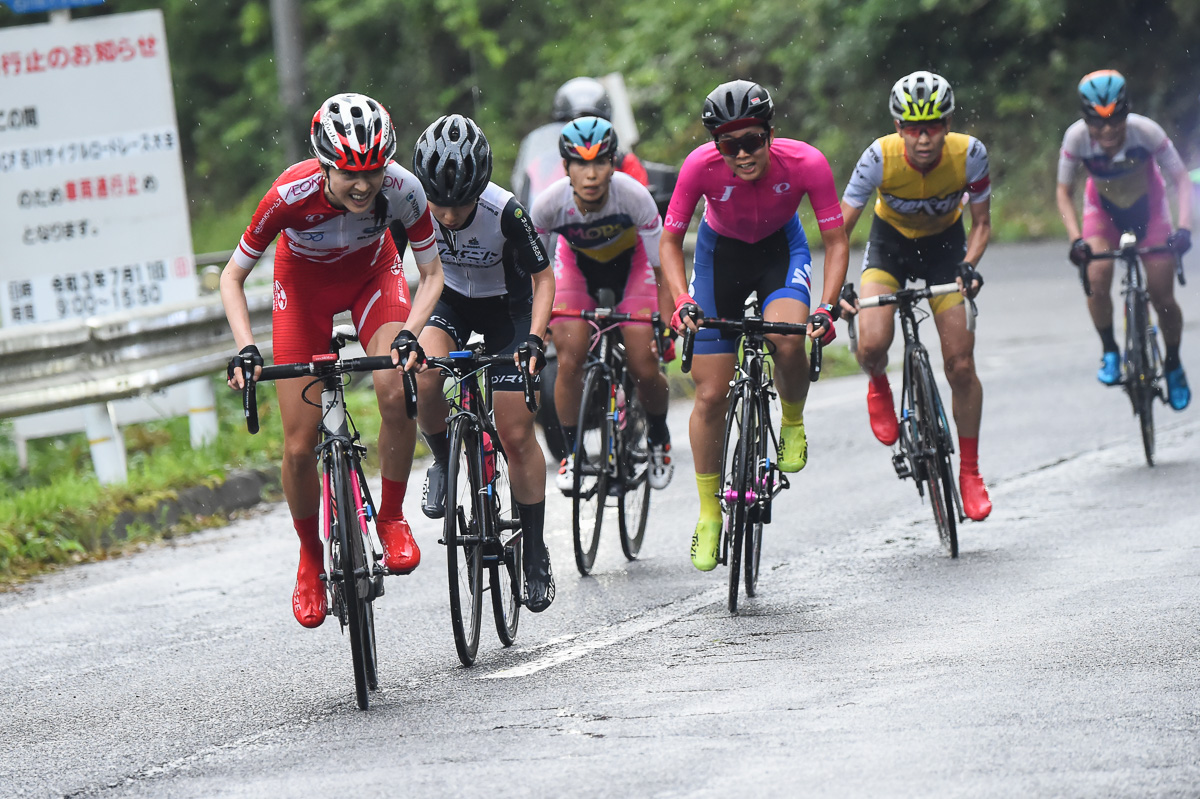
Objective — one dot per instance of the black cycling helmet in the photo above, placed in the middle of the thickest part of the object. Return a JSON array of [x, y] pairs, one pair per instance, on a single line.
[[453, 161], [737, 101], [581, 97], [588, 139]]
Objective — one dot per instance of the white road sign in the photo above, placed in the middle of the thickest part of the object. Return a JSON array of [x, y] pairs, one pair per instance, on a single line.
[[95, 216]]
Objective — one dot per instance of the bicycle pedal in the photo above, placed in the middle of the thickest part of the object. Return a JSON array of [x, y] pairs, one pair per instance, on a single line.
[[901, 465], [378, 586]]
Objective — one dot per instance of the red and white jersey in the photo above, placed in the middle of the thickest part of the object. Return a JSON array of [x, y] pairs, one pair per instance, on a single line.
[[316, 232]]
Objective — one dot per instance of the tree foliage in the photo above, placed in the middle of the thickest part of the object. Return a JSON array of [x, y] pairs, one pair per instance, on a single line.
[[1014, 65]]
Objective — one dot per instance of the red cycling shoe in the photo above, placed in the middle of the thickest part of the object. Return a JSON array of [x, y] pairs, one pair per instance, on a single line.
[[882, 409], [976, 502], [309, 603], [400, 552]]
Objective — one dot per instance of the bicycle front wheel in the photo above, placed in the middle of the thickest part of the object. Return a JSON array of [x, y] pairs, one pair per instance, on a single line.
[[504, 555], [633, 474], [593, 448], [936, 470], [1141, 369], [463, 536], [353, 578], [741, 431]]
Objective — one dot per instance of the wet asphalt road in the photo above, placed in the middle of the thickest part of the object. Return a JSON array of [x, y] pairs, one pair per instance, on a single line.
[[1058, 656]]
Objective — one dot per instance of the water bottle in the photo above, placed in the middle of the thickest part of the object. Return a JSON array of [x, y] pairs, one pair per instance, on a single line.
[[489, 458], [620, 407]]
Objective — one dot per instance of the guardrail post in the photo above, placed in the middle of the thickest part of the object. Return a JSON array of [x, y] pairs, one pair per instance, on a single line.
[[106, 442], [202, 412]]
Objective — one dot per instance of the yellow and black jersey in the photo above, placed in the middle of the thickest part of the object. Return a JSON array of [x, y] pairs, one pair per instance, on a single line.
[[920, 203]]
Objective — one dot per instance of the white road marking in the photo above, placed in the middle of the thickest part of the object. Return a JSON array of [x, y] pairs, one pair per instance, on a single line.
[[612, 634]]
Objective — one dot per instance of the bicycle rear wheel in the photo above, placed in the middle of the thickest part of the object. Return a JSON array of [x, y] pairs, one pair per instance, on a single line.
[[1141, 369], [464, 540], [633, 472], [593, 443], [740, 430], [353, 578], [936, 471], [504, 556]]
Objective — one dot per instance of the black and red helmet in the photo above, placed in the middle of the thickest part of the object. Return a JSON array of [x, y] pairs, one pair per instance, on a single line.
[[737, 104]]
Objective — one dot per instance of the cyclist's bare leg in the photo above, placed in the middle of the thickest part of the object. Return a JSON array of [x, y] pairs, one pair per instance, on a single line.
[[397, 439], [301, 485], [398, 433], [706, 427], [1100, 277], [791, 358], [642, 355], [958, 353], [572, 337], [1160, 282], [526, 462], [876, 328], [432, 408]]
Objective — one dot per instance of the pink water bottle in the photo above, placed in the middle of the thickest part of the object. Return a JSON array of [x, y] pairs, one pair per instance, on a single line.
[[489, 458]]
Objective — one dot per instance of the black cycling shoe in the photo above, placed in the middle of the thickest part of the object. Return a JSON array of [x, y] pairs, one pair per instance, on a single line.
[[539, 579], [433, 497]]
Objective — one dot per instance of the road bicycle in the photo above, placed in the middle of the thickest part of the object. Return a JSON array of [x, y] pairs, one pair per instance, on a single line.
[[611, 456], [925, 446], [353, 573], [1141, 362], [750, 475], [482, 527]]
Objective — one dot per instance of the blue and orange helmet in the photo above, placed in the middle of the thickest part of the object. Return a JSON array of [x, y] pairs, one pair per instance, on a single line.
[[1102, 95], [588, 139]]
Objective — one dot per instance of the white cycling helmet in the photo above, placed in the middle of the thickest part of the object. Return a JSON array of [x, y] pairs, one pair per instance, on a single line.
[[352, 132], [921, 97]]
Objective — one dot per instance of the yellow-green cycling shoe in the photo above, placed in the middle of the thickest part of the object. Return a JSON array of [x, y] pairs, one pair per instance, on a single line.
[[793, 448], [704, 544]]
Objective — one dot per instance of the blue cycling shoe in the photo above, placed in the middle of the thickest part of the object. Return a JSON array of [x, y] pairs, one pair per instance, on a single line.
[[1178, 392], [1109, 372]]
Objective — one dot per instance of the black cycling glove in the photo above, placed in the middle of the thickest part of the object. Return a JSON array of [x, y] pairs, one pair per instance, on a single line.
[[246, 360], [406, 344], [536, 349]]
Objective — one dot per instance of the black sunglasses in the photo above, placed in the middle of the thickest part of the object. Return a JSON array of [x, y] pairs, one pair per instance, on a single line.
[[750, 143]]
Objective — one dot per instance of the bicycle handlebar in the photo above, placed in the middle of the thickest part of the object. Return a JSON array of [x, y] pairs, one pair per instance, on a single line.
[[751, 324], [464, 361], [908, 295], [1160, 249], [320, 366]]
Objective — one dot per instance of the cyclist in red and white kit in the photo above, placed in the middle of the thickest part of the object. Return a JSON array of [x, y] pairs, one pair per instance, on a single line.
[[335, 253], [749, 240]]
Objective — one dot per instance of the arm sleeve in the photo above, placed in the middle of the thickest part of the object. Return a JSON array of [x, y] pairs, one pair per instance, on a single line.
[[686, 194], [1069, 155], [822, 193], [517, 229], [866, 177], [979, 181], [1166, 154], [264, 226]]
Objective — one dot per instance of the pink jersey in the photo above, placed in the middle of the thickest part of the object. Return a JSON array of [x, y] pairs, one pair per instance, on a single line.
[[316, 232], [752, 210]]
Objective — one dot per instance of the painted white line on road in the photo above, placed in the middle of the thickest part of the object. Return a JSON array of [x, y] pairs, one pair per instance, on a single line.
[[613, 634]]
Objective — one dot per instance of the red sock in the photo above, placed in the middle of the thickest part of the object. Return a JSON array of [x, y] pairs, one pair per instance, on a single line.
[[968, 458], [391, 500], [309, 534]]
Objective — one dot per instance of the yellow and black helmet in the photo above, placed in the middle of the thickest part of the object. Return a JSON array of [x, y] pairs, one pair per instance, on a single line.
[[921, 97]]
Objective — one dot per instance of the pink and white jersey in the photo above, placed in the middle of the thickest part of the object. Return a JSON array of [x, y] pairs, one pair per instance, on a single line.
[[316, 232], [752, 210]]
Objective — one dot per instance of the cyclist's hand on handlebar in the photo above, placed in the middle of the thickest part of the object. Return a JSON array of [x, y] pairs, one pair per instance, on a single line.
[[820, 324], [249, 356], [848, 302], [1180, 241], [969, 280], [406, 348], [536, 349], [687, 312], [667, 348], [1080, 253]]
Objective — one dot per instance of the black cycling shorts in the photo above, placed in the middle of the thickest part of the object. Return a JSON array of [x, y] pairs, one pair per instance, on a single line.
[[503, 325]]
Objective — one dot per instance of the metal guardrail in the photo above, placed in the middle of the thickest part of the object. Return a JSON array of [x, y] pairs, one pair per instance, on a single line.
[[78, 362]]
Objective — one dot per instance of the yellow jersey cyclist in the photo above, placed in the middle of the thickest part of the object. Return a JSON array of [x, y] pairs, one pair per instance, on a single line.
[[497, 284], [750, 240], [921, 172], [608, 229], [1125, 155]]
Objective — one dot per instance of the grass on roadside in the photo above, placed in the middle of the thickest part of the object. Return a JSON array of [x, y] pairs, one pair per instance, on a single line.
[[56, 511]]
